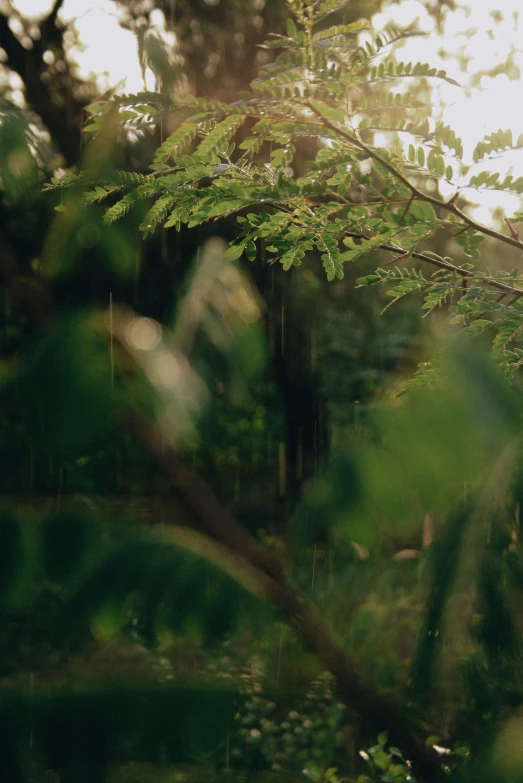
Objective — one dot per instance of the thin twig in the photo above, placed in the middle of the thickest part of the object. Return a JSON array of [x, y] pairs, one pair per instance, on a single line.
[[441, 263], [404, 214], [50, 20]]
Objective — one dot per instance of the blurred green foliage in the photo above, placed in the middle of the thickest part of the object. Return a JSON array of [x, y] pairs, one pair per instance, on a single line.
[[126, 633]]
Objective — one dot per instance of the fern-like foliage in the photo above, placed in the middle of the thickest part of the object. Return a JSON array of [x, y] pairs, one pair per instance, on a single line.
[[337, 85], [177, 142], [496, 142]]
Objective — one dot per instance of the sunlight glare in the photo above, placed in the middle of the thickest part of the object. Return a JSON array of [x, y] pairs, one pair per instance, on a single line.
[[476, 38], [484, 34], [107, 52], [32, 9]]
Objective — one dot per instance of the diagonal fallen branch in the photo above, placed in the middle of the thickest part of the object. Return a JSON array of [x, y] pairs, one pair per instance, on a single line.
[[267, 569]]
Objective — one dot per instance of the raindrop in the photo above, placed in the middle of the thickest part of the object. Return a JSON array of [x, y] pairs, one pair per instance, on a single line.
[[6, 315], [60, 487], [111, 336], [299, 458], [282, 470], [31, 469], [118, 470], [237, 483], [315, 458], [137, 277], [278, 669]]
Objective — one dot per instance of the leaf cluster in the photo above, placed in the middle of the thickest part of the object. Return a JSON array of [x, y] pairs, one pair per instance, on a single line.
[[338, 86]]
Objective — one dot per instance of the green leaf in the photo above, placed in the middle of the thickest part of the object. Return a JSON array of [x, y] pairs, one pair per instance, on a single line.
[[158, 212], [183, 210], [95, 108], [404, 288], [510, 330], [218, 208], [477, 326], [177, 142], [368, 280], [341, 30], [218, 139], [439, 166], [495, 142], [446, 136], [269, 83], [440, 293], [331, 257], [470, 241], [380, 758], [123, 206], [250, 251], [233, 252], [327, 111], [294, 255], [292, 30]]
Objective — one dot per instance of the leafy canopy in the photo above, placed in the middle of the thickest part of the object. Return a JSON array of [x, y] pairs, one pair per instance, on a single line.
[[337, 86]]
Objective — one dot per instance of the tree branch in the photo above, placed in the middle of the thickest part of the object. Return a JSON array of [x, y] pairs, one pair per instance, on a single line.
[[448, 206], [50, 20], [441, 263]]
